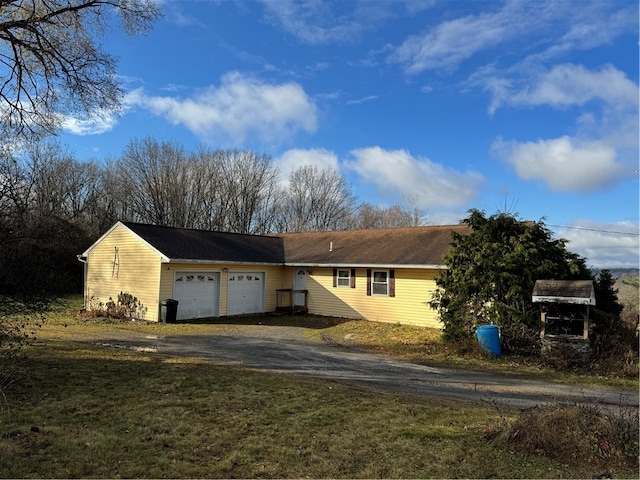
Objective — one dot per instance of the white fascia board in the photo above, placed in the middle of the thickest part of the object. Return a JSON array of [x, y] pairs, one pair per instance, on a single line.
[[86, 252], [217, 262], [568, 300], [162, 256], [366, 265]]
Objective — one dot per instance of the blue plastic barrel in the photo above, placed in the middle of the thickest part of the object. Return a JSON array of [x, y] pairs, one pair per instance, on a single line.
[[489, 339]]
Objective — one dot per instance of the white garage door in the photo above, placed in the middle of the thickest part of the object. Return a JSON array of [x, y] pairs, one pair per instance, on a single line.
[[246, 293], [198, 294]]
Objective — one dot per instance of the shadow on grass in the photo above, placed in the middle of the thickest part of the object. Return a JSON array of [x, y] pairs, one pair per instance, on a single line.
[[271, 319], [91, 412]]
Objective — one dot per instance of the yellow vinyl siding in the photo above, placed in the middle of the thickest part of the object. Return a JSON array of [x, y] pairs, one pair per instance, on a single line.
[[133, 268], [137, 269], [273, 280], [413, 290]]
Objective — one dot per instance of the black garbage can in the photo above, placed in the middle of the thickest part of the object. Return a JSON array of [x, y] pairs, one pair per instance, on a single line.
[[168, 310]]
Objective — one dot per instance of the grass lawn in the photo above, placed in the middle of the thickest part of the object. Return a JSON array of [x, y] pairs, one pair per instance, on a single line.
[[86, 411], [420, 345]]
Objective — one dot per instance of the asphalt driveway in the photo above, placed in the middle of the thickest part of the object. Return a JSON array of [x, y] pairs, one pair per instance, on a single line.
[[286, 350]]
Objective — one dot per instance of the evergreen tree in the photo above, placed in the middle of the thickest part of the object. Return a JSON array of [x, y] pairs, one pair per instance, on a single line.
[[491, 273], [607, 296], [609, 333]]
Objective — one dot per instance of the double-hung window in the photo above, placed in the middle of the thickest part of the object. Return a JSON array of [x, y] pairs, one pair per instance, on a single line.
[[344, 278], [380, 282]]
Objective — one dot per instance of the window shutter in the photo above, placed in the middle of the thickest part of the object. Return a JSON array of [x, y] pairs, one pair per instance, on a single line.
[[392, 283], [353, 278], [369, 281], [335, 277]]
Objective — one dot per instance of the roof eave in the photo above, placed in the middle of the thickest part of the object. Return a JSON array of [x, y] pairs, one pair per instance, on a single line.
[[555, 299], [219, 262], [366, 265]]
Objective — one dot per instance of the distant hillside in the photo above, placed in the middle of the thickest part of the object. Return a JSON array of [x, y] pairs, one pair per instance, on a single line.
[[619, 273]]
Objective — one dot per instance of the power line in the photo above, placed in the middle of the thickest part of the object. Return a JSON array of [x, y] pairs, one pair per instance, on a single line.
[[596, 230]]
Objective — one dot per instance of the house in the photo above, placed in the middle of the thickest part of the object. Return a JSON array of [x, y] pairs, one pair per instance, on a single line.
[[384, 275]]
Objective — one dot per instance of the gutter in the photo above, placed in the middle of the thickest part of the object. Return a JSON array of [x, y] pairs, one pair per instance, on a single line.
[[367, 265], [218, 262], [305, 264]]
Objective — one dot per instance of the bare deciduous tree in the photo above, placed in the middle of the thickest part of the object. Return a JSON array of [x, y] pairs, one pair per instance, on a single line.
[[317, 200], [58, 185], [45, 199], [206, 189], [51, 64], [372, 216], [156, 177], [230, 190], [250, 185]]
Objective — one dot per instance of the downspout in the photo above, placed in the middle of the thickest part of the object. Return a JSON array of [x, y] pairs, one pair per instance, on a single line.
[[83, 259]]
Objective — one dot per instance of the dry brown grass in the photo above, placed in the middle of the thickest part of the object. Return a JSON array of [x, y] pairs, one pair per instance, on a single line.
[[578, 435], [86, 411], [99, 413]]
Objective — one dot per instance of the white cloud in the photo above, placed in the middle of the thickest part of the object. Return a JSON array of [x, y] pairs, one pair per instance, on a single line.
[[321, 23], [562, 86], [564, 164], [312, 22], [444, 217], [358, 101], [605, 143], [548, 29], [591, 25], [398, 173], [296, 158], [240, 107], [100, 122], [604, 245], [451, 42]]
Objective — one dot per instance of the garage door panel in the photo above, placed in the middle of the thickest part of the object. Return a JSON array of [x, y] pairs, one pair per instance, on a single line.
[[245, 293], [197, 293]]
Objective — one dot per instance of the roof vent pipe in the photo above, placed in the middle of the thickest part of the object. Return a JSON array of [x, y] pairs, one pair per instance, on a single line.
[[331, 246]]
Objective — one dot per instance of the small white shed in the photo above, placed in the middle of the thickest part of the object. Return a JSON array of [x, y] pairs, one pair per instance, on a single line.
[[564, 307]]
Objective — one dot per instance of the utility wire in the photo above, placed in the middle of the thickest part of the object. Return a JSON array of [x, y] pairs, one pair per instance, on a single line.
[[596, 230]]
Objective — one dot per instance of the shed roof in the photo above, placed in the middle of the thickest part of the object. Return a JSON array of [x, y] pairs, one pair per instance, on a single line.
[[579, 292]]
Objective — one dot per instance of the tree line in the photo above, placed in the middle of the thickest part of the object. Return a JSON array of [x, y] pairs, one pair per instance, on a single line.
[[53, 206]]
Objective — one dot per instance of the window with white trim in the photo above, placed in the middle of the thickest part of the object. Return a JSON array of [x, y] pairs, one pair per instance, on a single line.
[[380, 282], [344, 278]]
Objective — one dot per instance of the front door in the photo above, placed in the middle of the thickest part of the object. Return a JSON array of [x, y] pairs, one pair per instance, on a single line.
[[299, 283]]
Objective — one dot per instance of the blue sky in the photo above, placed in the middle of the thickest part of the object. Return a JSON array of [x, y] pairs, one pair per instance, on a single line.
[[529, 107]]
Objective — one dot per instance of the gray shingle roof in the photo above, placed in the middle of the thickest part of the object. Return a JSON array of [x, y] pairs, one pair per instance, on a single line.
[[189, 244], [393, 246], [397, 246]]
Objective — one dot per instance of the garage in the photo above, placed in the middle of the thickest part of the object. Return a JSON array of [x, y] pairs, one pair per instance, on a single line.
[[198, 294], [245, 293]]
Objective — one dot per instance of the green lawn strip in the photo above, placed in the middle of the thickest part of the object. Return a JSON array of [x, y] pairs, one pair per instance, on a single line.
[[424, 345], [99, 412]]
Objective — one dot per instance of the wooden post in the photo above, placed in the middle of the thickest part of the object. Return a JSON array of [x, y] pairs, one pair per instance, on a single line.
[[543, 320], [585, 325]]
